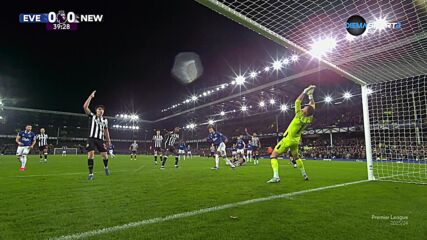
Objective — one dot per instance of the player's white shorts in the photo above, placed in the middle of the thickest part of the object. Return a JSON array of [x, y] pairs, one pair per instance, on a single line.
[[221, 149], [249, 152], [181, 151], [241, 151], [110, 152], [189, 153], [233, 153], [22, 150]]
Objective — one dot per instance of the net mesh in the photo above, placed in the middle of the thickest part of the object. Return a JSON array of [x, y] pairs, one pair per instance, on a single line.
[[376, 56], [398, 118]]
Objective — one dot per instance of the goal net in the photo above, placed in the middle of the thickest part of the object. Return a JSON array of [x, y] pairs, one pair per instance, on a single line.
[[390, 61], [60, 151], [398, 122]]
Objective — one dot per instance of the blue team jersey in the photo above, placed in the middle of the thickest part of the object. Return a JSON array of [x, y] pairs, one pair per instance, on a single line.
[[250, 147], [240, 144], [181, 147], [27, 138], [233, 149], [216, 138]]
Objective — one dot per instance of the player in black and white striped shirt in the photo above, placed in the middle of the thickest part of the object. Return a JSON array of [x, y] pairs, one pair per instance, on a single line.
[[43, 147], [157, 139], [256, 146], [170, 146], [98, 132]]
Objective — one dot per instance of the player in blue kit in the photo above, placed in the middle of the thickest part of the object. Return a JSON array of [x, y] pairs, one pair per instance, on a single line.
[[111, 151], [218, 140], [181, 150], [249, 150], [26, 141], [241, 145], [189, 154], [234, 152]]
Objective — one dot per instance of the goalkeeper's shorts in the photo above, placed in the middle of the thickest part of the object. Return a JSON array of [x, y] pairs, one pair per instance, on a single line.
[[287, 143]]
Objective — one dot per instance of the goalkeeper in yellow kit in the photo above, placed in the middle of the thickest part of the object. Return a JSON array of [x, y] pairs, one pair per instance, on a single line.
[[292, 136]]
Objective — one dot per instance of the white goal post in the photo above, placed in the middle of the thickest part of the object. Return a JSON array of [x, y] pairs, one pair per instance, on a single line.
[[390, 65], [59, 151]]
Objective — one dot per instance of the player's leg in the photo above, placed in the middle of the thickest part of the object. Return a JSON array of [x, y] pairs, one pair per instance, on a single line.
[[155, 157], [90, 147], [177, 158], [278, 150], [223, 154], [300, 164], [45, 153], [165, 157], [41, 152], [19, 154], [103, 151]]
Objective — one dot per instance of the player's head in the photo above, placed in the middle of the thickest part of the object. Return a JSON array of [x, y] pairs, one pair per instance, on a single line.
[[250, 141], [254, 134], [211, 129], [158, 132], [176, 129], [28, 128], [308, 110], [99, 110], [42, 131], [234, 144], [134, 141]]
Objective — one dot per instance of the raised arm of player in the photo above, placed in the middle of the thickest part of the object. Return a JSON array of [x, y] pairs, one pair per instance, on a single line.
[[87, 103], [247, 134]]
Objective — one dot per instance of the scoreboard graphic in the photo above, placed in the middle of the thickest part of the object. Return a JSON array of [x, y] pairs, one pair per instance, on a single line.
[[61, 20]]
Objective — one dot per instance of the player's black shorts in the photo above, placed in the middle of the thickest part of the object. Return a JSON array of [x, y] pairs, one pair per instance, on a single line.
[[254, 148], [158, 149], [42, 148], [133, 151], [171, 149], [212, 154], [95, 144]]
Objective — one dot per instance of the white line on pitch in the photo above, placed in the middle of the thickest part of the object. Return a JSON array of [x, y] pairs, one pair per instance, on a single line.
[[195, 212], [61, 174]]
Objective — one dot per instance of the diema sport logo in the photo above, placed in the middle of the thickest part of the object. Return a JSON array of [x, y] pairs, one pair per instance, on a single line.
[[357, 25]]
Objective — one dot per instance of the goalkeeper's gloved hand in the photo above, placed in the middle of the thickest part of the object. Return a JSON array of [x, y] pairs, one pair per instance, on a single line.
[[309, 90]]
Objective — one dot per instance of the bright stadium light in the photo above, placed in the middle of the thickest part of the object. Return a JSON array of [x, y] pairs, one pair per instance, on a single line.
[[272, 101], [253, 74], [369, 91], [222, 86], [380, 24], [328, 99], [191, 126], [210, 121], [267, 69], [244, 108], [283, 107], [323, 46], [347, 95], [285, 61], [294, 58], [277, 65], [240, 80], [222, 113], [262, 104], [194, 98]]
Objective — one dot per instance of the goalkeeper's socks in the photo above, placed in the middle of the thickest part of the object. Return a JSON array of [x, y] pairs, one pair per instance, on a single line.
[[275, 167], [301, 167]]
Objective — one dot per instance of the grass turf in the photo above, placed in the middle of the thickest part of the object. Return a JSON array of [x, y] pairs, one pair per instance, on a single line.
[[55, 199]]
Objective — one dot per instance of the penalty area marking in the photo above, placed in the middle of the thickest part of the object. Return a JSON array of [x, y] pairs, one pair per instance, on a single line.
[[196, 212]]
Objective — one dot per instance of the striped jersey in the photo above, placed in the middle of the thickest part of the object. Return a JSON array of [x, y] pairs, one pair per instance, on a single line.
[[42, 138], [134, 146], [172, 139], [157, 139], [255, 142], [97, 126]]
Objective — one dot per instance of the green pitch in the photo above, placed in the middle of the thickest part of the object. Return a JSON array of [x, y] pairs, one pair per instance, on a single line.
[[55, 199]]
